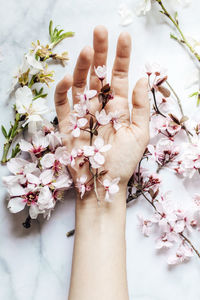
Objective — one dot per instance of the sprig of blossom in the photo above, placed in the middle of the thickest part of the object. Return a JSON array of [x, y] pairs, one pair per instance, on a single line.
[[175, 145], [170, 221], [30, 104], [38, 182], [92, 155]]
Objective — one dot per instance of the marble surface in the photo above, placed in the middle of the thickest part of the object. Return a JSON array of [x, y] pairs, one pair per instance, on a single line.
[[35, 264]]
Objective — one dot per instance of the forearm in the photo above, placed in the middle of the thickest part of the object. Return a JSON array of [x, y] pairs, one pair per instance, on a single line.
[[99, 258]]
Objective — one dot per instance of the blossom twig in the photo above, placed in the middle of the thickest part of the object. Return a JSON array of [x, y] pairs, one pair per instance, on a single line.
[[183, 39], [181, 109]]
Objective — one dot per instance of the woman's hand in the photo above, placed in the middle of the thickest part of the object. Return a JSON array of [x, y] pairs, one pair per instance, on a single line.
[[99, 257], [129, 142]]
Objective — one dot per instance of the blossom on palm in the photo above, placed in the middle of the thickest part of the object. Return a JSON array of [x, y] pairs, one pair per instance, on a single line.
[[115, 119], [102, 117], [82, 108], [101, 72], [95, 152], [77, 124]]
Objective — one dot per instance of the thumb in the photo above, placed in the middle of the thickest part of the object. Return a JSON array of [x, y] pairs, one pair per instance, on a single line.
[[141, 106]]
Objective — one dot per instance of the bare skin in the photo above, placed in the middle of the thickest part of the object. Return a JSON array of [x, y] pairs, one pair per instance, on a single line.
[[99, 257]]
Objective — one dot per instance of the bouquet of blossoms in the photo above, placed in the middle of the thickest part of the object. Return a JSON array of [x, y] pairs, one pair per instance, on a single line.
[[37, 158]]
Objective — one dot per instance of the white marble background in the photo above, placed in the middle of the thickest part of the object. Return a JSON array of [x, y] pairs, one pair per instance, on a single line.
[[35, 264]]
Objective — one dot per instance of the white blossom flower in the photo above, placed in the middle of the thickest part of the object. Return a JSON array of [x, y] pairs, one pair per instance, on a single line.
[[33, 109], [76, 124], [101, 72], [81, 185], [35, 65], [56, 160], [82, 108], [102, 117], [63, 181], [111, 187], [126, 15], [39, 143], [143, 7], [115, 119], [45, 199], [94, 152]]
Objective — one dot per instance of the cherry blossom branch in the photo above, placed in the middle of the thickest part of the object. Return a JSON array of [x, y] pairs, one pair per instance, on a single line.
[[181, 234], [190, 243], [155, 103], [181, 110], [183, 39]]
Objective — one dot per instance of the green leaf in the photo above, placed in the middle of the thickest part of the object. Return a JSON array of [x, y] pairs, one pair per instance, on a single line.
[[56, 35], [176, 17], [198, 100], [50, 28], [15, 151], [4, 131], [193, 94]]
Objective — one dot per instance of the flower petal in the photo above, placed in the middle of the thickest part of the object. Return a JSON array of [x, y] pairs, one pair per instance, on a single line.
[[16, 204]]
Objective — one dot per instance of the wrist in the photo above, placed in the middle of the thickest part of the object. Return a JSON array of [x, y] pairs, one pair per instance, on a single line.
[[101, 217]]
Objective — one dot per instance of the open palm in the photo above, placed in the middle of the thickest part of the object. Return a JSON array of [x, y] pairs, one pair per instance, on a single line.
[[130, 140]]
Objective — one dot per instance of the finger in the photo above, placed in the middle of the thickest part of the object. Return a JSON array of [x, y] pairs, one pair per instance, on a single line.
[[100, 45], [61, 101], [121, 65], [141, 106], [81, 71]]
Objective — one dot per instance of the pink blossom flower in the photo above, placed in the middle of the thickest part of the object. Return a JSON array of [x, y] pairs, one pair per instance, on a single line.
[[76, 124], [145, 225], [159, 124], [165, 151], [166, 240], [155, 69], [183, 253], [101, 72], [189, 160], [111, 187]]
